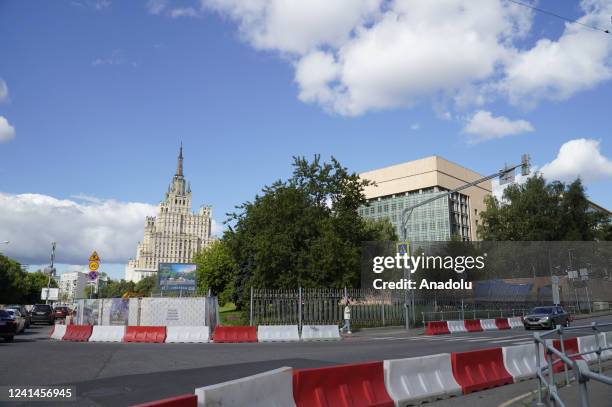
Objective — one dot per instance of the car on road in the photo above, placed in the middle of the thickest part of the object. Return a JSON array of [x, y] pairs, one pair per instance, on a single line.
[[24, 313], [8, 326], [19, 319], [546, 317], [43, 313], [61, 312]]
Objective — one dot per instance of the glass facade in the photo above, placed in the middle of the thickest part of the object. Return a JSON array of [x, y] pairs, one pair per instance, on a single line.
[[436, 221]]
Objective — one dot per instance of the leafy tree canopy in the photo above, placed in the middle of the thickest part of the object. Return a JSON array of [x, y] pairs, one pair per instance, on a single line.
[[301, 232], [541, 211], [18, 286]]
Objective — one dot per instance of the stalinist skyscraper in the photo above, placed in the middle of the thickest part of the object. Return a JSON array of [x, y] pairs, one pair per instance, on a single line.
[[175, 234]]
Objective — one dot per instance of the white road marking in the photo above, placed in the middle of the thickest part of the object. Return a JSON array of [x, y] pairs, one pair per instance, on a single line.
[[508, 340]]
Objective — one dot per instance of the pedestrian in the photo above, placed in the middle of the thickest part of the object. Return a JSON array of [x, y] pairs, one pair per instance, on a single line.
[[347, 317]]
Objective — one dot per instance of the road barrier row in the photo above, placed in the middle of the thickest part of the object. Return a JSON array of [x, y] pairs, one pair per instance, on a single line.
[[397, 382], [472, 325], [193, 334]]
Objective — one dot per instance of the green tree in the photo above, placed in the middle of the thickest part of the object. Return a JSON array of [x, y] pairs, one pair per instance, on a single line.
[[146, 285], [215, 271], [302, 232], [12, 284], [115, 289], [33, 284], [540, 211]]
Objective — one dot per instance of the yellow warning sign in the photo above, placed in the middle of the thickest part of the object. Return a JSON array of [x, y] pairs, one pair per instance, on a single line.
[[94, 256], [94, 265]]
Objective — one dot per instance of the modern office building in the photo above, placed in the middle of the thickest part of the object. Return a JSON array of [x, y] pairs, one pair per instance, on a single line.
[[175, 234], [400, 186], [72, 285]]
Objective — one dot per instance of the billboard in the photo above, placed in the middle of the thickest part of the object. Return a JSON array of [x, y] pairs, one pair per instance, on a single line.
[[49, 294], [177, 277]]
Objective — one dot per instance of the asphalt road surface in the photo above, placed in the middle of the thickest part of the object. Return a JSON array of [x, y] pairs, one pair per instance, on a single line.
[[121, 374]]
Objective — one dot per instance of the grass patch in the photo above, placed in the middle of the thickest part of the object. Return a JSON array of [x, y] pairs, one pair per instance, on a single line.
[[230, 316]]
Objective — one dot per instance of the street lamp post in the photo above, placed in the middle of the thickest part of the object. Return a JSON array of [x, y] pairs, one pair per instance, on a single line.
[[50, 272], [407, 212]]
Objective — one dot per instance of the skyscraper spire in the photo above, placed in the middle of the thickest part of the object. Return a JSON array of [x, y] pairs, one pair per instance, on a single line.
[[179, 167]]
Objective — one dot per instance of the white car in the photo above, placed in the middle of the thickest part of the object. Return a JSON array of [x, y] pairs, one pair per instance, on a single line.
[[21, 321]]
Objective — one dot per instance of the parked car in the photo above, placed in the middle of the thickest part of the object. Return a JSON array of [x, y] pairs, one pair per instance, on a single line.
[[546, 317], [24, 313], [19, 319], [61, 312], [43, 313], [8, 326]]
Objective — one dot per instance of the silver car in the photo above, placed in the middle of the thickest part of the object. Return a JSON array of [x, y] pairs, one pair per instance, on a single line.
[[546, 317]]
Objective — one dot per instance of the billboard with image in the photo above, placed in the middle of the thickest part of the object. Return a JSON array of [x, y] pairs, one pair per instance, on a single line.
[[177, 277]]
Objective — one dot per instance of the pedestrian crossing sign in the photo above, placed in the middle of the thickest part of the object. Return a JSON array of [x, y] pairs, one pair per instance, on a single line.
[[403, 248]]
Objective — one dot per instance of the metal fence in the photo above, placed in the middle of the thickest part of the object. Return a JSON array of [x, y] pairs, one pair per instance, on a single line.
[[307, 306], [376, 308], [574, 361]]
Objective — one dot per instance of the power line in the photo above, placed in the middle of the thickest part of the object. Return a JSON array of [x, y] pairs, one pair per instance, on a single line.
[[550, 13]]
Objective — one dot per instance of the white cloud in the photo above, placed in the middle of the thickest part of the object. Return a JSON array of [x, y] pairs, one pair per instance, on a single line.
[[355, 56], [7, 132], [79, 225], [4, 93], [415, 126], [296, 26], [579, 158], [156, 6], [484, 126], [164, 7], [580, 59], [115, 58], [183, 12], [32, 221]]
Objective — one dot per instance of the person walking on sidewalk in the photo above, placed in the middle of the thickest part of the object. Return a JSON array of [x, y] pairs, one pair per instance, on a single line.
[[347, 317]]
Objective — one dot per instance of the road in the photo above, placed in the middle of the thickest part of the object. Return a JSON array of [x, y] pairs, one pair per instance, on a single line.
[[119, 374]]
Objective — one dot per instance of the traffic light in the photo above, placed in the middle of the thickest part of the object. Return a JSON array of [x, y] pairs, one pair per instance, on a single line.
[[525, 165]]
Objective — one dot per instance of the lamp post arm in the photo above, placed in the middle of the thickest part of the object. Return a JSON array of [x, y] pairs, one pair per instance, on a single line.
[[406, 213]]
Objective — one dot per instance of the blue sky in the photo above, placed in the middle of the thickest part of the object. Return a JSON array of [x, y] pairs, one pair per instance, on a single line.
[[99, 95]]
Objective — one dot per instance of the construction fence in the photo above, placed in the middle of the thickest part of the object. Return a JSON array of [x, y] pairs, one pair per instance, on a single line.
[[190, 311]]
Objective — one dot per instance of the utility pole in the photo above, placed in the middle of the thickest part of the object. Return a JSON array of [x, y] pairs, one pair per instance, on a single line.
[[51, 271]]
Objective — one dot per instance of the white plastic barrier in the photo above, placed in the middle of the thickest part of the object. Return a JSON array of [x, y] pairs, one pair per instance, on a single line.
[[608, 338], [58, 332], [107, 333], [421, 379], [589, 343], [278, 333], [456, 326], [520, 361], [192, 334], [488, 325], [320, 332], [268, 389], [515, 322]]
